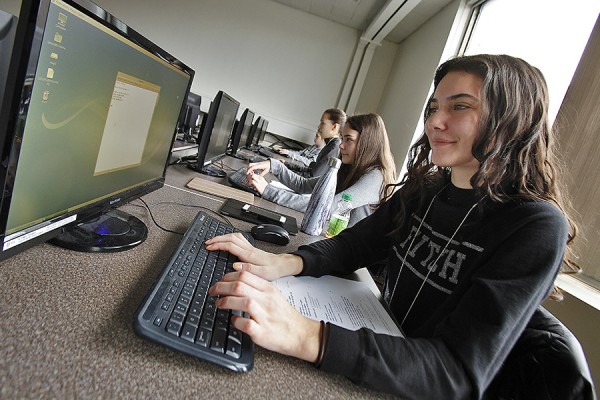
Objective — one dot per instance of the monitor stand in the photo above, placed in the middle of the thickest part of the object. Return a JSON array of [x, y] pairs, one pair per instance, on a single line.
[[209, 170], [113, 231]]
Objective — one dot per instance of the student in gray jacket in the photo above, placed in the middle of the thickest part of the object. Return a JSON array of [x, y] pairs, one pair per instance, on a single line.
[[367, 167], [306, 155]]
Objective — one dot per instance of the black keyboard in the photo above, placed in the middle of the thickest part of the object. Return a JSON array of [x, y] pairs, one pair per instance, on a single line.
[[239, 179], [265, 151], [178, 313]]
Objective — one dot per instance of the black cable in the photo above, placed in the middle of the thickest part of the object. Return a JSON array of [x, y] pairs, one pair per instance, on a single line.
[[226, 166], [222, 217], [156, 223]]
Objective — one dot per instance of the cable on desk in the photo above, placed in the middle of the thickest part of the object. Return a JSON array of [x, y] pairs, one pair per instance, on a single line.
[[186, 160], [222, 165], [180, 204]]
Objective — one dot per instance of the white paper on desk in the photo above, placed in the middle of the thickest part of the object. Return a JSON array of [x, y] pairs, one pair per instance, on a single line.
[[349, 304]]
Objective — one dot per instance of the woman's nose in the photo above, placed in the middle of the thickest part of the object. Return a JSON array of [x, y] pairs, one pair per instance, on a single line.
[[436, 120]]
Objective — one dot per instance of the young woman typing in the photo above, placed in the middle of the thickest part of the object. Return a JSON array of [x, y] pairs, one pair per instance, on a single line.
[[330, 127], [306, 155], [367, 167], [474, 236]]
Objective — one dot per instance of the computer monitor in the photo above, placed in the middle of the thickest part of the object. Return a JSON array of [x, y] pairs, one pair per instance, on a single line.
[[91, 118], [254, 132], [215, 131], [241, 131], [189, 123], [263, 130], [259, 134]]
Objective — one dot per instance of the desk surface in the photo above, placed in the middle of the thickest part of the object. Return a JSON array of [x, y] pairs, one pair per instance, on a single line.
[[66, 322]]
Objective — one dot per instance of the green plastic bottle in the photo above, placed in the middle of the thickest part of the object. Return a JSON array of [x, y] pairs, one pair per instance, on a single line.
[[340, 217]]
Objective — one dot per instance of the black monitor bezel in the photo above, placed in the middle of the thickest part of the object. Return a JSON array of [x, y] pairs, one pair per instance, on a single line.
[[187, 122], [207, 130], [255, 127], [263, 131], [238, 132], [26, 51]]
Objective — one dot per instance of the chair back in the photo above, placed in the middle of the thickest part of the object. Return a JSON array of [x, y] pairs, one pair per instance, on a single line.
[[547, 362]]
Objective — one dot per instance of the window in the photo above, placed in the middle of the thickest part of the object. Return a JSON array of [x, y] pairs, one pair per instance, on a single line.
[[549, 34], [552, 35]]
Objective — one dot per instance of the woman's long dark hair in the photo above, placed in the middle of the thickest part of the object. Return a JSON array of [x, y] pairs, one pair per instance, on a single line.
[[372, 151], [515, 144]]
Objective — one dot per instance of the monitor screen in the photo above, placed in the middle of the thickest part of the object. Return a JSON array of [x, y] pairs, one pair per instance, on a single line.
[[189, 123], [263, 130], [215, 132], [92, 119], [254, 132], [241, 131]]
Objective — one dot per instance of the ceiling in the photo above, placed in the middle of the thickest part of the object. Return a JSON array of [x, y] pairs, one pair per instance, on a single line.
[[359, 14]]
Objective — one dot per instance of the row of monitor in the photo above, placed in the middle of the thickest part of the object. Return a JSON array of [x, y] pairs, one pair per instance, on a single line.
[[88, 117], [222, 133]]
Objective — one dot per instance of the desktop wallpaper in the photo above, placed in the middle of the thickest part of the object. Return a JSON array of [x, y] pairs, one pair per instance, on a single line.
[[101, 118]]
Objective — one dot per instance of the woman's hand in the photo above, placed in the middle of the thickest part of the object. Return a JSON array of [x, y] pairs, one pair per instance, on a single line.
[[258, 181], [283, 152], [266, 265], [273, 324], [264, 166]]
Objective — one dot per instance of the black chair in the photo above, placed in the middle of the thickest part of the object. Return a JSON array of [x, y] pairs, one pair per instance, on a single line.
[[547, 363]]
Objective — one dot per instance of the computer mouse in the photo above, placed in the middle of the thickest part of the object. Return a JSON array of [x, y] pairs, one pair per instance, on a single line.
[[270, 233]]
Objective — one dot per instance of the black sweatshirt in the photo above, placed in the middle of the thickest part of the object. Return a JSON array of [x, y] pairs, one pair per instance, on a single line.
[[478, 297]]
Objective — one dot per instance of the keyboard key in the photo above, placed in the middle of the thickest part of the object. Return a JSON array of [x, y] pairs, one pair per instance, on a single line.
[[234, 349], [218, 340], [235, 335], [173, 328], [189, 332], [203, 337]]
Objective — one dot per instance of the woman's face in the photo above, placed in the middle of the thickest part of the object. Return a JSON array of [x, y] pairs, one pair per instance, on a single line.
[[348, 145], [451, 127], [326, 127]]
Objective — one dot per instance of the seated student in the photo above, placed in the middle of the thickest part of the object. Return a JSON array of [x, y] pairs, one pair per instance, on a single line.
[[306, 155], [330, 128], [475, 236], [367, 167]]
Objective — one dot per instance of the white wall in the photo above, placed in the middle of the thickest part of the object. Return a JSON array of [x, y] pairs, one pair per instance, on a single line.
[[284, 64], [377, 77], [11, 6], [409, 83]]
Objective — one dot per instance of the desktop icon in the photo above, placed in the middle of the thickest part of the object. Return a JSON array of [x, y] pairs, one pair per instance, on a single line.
[[45, 95], [54, 56], [50, 73], [62, 19], [58, 37]]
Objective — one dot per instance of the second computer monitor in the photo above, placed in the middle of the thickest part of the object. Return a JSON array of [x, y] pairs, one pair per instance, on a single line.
[[263, 131], [215, 131], [254, 132], [258, 134], [188, 121], [241, 131]]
